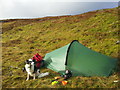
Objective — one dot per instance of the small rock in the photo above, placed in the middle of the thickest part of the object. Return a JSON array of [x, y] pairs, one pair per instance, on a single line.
[[116, 81], [10, 73], [117, 42], [89, 47]]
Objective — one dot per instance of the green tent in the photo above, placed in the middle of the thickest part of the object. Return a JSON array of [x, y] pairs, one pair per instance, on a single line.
[[81, 60]]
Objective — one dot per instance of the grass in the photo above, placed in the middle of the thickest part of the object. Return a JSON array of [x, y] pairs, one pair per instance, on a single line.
[[21, 37]]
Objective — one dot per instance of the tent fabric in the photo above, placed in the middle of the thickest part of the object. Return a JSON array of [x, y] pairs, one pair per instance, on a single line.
[[81, 60], [55, 60]]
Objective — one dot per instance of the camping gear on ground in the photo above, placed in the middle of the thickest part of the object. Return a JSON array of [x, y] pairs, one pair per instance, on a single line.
[[81, 60], [55, 82], [38, 60], [43, 74], [67, 74], [58, 77], [59, 80], [64, 82]]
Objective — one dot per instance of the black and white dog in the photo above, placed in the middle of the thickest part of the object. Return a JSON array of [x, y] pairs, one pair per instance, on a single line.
[[31, 69]]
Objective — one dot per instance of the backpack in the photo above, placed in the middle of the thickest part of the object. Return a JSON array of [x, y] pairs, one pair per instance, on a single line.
[[37, 59]]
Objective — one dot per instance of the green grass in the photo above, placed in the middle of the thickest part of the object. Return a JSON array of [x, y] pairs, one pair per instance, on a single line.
[[97, 30]]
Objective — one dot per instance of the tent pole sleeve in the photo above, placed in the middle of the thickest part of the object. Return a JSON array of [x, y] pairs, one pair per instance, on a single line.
[[69, 50]]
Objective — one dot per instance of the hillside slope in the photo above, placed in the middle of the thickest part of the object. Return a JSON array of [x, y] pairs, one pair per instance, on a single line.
[[97, 30]]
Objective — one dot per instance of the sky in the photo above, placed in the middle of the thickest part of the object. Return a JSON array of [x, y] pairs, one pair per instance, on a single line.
[[11, 9]]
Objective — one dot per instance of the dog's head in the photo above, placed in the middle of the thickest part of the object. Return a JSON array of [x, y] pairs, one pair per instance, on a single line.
[[29, 64], [29, 61]]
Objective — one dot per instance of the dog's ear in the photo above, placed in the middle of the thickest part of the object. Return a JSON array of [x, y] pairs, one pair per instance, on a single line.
[[27, 62]]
